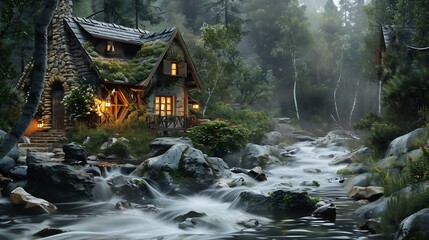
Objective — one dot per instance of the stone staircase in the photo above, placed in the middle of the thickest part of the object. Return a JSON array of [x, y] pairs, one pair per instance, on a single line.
[[43, 141]]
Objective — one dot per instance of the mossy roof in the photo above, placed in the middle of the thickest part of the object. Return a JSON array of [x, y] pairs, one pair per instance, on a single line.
[[153, 45]]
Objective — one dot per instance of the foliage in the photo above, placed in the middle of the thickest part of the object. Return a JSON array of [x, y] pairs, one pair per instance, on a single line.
[[119, 148], [402, 206], [80, 103], [11, 102], [134, 70], [139, 135], [380, 136], [367, 121], [218, 138], [220, 110], [418, 169], [137, 115], [257, 123], [345, 171]]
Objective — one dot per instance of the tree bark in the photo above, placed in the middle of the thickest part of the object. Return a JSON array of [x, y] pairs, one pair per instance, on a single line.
[[336, 88], [37, 80], [380, 87], [354, 102], [295, 69]]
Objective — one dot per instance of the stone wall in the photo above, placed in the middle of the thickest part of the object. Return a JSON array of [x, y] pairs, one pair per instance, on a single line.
[[61, 67]]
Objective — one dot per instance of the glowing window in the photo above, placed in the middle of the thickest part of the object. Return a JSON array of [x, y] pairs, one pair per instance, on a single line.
[[174, 69], [164, 105]]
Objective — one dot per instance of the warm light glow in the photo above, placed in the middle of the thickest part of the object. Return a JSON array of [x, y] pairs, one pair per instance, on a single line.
[[174, 69], [108, 101], [110, 47], [195, 106], [39, 123]]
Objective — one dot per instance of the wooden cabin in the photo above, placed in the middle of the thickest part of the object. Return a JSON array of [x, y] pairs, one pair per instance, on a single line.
[[125, 65]]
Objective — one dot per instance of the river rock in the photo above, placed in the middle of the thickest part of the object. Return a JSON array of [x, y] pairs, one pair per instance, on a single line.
[[371, 193], [18, 173], [348, 158], [4, 181], [272, 138], [415, 226], [128, 168], [256, 155], [250, 223], [36, 157], [191, 214], [278, 200], [327, 211], [95, 171], [129, 188], [6, 164], [57, 182], [301, 136], [191, 223], [369, 225], [10, 186], [182, 167], [74, 153], [358, 180], [219, 167], [373, 209], [403, 143], [47, 232], [161, 145], [25, 202], [258, 174]]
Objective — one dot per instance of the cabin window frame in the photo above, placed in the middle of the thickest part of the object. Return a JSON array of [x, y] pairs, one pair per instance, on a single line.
[[165, 108]]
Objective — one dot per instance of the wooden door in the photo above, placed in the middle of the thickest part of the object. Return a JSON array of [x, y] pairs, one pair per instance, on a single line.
[[57, 109]]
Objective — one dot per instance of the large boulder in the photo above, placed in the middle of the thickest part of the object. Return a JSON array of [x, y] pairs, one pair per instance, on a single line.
[[219, 167], [326, 211], [36, 157], [25, 202], [373, 209], [182, 168], [415, 226], [161, 145], [74, 152], [6, 164], [279, 200], [272, 138], [403, 143], [253, 155], [57, 182]]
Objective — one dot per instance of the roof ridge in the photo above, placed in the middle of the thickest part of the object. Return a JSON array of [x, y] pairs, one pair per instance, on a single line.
[[112, 25]]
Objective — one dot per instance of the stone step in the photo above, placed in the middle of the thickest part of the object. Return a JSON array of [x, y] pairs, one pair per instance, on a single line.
[[47, 134], [35, 139], [41, 145]]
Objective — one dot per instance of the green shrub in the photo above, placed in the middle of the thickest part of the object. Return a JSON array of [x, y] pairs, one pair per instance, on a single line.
[[418, 169], [256, 122], [80, 103], [218, 138], [367, 121], [119, 148], [380, 136], [345, 171]]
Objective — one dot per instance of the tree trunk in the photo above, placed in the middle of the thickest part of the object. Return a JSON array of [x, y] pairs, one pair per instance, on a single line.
[[137, 13], [295, 69], [354, 102], [380, 86], [336, 88], [37, 80]]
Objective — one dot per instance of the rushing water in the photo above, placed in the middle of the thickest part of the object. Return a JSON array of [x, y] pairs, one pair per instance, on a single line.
[[100, 220]]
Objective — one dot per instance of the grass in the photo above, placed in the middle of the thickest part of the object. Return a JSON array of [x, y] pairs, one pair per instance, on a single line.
[[139, 135]]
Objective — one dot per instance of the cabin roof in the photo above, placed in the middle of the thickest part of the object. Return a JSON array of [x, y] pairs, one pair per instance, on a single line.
[[84, 30]]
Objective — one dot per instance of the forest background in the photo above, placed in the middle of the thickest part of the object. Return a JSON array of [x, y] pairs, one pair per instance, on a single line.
[[311, 60]]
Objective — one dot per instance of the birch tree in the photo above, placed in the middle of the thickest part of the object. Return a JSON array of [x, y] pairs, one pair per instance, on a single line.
[[296, 38], [37, 80]]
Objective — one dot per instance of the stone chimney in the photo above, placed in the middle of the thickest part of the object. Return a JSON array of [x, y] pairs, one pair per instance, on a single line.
[[61, 69]]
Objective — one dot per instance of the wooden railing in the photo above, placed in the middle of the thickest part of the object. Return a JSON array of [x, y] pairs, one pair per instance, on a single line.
[[171, 123]]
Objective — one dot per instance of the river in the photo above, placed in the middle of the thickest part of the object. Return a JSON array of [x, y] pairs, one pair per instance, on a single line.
[[100, 220]]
